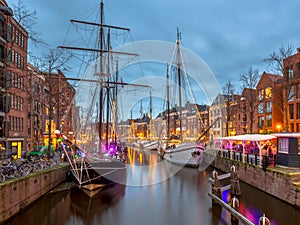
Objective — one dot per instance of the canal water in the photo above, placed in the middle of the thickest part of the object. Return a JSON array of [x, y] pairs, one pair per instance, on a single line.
[[157, 192]]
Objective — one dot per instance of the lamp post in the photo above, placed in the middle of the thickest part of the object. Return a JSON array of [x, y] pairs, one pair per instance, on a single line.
[[278, 127]]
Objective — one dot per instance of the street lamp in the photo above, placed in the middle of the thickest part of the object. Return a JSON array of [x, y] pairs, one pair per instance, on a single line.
[[278, 127]]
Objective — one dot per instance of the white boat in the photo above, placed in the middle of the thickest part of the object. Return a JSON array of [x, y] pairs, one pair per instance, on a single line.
[[177, 144], [151, 145]]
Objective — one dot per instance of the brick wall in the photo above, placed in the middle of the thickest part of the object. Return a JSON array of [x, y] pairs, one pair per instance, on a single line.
[[277, 183], [17, 194]]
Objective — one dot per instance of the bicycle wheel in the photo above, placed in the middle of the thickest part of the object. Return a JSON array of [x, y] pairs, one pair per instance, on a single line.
[[37, 166], [27, 169]]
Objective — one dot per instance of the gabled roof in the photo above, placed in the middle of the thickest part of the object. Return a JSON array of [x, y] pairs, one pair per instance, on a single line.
[[266, 78]]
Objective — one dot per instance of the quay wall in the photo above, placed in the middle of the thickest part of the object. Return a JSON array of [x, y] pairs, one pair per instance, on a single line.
[[277, 182], [19, 193]]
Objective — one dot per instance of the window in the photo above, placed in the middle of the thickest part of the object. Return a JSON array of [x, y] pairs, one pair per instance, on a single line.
[[8, 32], [268, 92], [291, 109], [260, 108], [268, 107], [290, 74], [269, 120], [298, 110], [260, 94], [291, 94], [283, 145], [261, 120], [298, 91]]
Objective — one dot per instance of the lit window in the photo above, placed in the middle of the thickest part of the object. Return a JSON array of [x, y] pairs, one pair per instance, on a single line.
[[260, 94], [268, 92]]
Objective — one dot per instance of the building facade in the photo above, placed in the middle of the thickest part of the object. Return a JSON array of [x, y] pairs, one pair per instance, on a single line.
[[291, 92], [13, 63], [268, 104]]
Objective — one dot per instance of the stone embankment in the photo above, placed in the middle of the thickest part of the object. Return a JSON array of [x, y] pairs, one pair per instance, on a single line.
[[281, 182], [19, 193]]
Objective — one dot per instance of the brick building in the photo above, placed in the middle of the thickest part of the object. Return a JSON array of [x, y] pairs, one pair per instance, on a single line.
[[35, 107], [291, 92], [25, 93], [13, 62], [245, 112], [268, 104]]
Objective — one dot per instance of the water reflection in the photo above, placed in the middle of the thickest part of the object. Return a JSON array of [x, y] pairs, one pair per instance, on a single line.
[[168, 195], [86, 210], [146, 168]]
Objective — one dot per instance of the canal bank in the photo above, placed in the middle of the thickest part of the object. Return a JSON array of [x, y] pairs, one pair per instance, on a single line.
[[17, 194], [280, 182]]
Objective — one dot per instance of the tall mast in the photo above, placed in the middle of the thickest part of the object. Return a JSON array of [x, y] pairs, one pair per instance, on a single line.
[[168, 104], [116, 100], [179, 80], [151, 121], [101, 50], [107, 91], [101, 72]]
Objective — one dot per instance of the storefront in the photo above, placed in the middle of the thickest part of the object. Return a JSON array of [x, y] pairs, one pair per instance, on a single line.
[[15, 147], [2, 148]]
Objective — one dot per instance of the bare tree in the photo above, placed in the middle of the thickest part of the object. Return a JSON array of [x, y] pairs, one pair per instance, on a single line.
[[27, 19], [250, 80], [275, 60], [53, 61], [228, 91]]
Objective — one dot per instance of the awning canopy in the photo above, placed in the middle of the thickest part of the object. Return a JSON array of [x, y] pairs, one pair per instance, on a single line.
[[249, 137], [289, 135]]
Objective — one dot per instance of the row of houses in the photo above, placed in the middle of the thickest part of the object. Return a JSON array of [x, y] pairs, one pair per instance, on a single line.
[[273, 106], [32, 103]]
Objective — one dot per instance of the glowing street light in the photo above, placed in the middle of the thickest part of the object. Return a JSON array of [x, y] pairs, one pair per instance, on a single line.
[[278, 127]]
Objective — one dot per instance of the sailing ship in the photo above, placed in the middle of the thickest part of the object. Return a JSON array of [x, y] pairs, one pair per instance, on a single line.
[[98, 159], [174, 146]]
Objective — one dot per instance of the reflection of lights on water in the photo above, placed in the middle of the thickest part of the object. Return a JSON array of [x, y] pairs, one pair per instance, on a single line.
[[251, 213], [226, 196], [141, 157]]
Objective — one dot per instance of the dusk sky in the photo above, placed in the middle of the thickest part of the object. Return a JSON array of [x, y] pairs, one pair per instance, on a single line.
[[229, 36]]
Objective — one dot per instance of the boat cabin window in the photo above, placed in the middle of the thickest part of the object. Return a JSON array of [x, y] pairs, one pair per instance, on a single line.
[[283, 145]]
